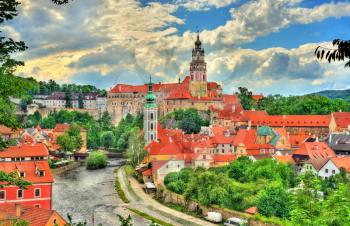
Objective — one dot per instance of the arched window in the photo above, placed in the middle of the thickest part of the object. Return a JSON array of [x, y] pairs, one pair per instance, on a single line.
[[151, 116], [151, 126], [151, 136]]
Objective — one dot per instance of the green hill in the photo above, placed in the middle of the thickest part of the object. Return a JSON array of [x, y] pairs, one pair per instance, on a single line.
[[333, 94]]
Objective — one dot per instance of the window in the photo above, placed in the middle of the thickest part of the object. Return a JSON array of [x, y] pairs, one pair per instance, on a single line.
[[151, 126], [37, 192], [333, 171], [2, 195], [38, 206], [19, 193], [41, 173], [151, 116], [22, 174], [326, 170]]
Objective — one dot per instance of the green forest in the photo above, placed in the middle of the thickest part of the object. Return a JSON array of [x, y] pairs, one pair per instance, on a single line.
[[293, 105], [100, 133], [273, 187]]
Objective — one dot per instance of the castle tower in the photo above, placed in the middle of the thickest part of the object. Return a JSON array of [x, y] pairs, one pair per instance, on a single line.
[[198, 71], [150, 115]]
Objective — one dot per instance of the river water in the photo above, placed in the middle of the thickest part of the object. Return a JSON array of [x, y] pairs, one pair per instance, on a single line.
[[87, 194]]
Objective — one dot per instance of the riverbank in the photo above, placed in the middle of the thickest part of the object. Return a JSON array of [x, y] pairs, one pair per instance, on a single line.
[[69, 167]]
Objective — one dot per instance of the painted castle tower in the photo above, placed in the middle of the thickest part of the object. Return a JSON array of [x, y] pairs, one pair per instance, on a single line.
[[198, 71], [150, 115]]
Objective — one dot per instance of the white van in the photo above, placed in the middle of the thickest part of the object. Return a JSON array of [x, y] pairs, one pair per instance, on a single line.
[[234, 221]]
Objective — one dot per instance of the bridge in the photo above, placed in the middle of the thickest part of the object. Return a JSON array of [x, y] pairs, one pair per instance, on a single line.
[[111, 155]]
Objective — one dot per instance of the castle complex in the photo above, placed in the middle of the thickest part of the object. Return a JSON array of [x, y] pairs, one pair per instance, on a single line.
[[193, 92]]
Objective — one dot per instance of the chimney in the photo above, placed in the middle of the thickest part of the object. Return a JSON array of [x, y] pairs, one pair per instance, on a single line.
[[18, 208]]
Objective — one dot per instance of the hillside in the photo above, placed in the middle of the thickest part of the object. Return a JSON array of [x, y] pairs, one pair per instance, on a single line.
[[342, 94]]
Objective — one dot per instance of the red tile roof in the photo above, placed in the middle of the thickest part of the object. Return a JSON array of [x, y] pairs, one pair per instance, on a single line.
[[343, 162], [61, 128], [30, 168], [225, 158], [156, 165], [290, 120], [33, 215], [284, 159], [6, 130], [315, 150], [25, 150], [221, 135], [147, 172], [342, 119]]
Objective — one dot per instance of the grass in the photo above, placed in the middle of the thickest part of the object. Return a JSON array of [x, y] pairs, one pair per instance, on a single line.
[[149, 217], [119, 190], [129, 170]]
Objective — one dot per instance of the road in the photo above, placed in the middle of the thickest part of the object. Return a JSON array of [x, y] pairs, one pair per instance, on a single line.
[[143, 202]]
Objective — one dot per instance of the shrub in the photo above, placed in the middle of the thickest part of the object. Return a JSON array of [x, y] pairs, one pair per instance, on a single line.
[[96, 160]]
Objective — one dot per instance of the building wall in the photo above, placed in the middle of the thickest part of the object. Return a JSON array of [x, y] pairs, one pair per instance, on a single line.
[[169, 167], [328, 170], [306, 168], [28, 195]]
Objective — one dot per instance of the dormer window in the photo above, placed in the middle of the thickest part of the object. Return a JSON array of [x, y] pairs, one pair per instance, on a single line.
[[22, 174], [41, 173]]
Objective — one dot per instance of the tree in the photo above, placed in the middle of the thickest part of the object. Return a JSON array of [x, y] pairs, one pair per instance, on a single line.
[[274, 200], [81, 100], [25, 101], [69, 99], [135, 151], [340, 52], [66, 143], [107, 139], [105, 121], [12, 179], [245, 98]]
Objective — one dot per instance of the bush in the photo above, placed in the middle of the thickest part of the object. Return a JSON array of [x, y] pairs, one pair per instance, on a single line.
[[96, 160]]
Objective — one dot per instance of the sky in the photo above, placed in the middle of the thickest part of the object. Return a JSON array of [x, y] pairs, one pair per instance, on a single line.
[[265, 45]]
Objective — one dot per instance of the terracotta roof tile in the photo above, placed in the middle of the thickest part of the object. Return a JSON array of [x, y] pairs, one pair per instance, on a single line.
[[30, 169], [33, 215], [25, 150]]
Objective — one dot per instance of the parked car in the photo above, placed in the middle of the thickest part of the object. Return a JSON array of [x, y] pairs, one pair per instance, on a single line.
[[235, 221], [214, 217]]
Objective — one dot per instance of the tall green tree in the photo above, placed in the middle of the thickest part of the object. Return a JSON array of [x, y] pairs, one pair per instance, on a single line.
[[135, 152], [274, 200], [246, 98], [107, 139]]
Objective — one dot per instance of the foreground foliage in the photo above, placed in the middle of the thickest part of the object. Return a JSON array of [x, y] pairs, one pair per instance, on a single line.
[[271, 186]]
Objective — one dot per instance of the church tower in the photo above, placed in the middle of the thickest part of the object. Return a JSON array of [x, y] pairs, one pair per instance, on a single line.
[[150, 115], [198, 71]]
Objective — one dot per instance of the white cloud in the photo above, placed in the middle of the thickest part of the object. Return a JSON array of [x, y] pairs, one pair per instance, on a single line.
[[196, 5]]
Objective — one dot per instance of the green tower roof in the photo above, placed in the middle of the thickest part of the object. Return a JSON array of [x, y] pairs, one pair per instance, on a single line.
[[150, 97]]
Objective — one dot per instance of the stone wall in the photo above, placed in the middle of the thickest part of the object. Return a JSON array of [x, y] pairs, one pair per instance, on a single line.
[[63, 169], [170, 197]]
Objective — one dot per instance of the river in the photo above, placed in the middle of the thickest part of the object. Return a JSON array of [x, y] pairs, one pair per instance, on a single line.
[[87, 194]]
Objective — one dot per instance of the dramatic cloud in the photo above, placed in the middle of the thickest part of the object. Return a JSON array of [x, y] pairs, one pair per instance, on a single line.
[[125, 41]]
